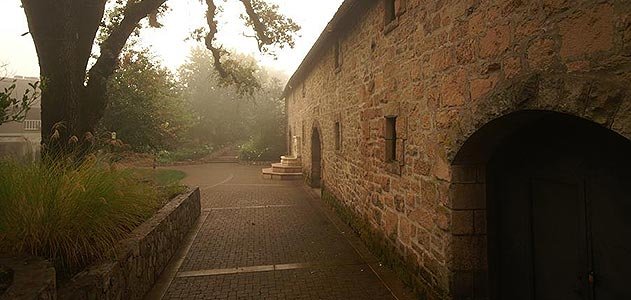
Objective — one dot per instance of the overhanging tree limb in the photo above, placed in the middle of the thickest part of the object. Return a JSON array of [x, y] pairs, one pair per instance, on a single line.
[[64, 32], [107, 61], [211, 12], [259, 27]]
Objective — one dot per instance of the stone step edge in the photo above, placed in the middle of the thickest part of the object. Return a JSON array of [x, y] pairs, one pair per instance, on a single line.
[[290, 160], [281, 171], [293, 165], [286, 167], [269, 173]]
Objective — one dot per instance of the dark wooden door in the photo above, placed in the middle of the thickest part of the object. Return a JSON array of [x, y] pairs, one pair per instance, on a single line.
[[316, 159], [609, 200], [560, 216]]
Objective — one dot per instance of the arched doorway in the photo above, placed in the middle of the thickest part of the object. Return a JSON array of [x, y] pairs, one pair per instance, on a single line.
[[316, 159], [558, 207], [289, 142]]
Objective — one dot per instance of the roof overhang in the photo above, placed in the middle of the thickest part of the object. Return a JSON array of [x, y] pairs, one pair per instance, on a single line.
[[347, 8]]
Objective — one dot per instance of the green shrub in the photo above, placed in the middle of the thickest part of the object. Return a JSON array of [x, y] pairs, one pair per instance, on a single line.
[[184, 154], [145, 104], [259, 150], [70, 214], [249, 151]]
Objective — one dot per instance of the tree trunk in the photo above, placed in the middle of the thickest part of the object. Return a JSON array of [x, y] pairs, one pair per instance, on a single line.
[[63, 32]]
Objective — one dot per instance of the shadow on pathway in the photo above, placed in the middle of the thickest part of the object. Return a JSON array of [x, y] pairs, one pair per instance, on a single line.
[[261, 239]]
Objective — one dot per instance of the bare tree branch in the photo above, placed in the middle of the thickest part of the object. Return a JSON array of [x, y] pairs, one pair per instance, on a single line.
[[217, 52], [259, 27]]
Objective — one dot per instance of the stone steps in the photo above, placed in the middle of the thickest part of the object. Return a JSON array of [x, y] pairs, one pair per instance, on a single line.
[[270, 174], [289, 168], [290, 161], [280, 168]]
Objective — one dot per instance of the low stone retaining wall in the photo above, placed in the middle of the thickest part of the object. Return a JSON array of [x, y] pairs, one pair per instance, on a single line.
[[140, 259], [32, 278]]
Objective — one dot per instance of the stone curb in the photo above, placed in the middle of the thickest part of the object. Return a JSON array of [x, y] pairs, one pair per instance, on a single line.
[[139, 260]]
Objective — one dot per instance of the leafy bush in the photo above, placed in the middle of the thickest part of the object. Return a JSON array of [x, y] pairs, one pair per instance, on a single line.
[[68, 213], [217, 117], [146, 108], [257, 149], [184, 154], [14, 108], [222, 115], [251, 151]]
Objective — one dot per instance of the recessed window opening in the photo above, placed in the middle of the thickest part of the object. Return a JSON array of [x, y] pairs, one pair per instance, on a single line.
[[338, 136], [337, 54], [391, 12], [302, 140], [391, 138]]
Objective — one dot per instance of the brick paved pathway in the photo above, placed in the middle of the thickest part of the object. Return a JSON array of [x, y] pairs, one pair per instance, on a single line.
[[260, 239]]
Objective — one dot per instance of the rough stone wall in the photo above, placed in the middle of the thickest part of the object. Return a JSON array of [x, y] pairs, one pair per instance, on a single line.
[[32, 278], [446, 68], [139, 260]]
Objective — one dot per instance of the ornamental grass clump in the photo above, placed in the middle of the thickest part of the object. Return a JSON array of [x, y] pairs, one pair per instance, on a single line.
[[70, 214]]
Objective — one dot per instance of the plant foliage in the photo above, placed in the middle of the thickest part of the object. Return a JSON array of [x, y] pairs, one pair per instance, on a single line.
[[69, 214], [14, 108], [64, 33], [222, 115], [146, 108]]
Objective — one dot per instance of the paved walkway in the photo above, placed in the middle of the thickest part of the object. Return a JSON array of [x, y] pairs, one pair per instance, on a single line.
[[261, 239]]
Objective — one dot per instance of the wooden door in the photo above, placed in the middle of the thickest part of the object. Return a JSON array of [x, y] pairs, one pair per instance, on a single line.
[[316, 159], [609, 200], [560, 213]]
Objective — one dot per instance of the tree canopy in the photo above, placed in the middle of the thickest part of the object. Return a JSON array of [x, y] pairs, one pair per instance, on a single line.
[[221, 115], [64, 32], [146, 107]]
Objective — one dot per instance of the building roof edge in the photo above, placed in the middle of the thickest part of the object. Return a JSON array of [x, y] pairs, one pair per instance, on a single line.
[[342, 12]]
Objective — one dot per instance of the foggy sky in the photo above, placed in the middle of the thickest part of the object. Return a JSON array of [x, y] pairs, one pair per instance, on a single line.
[[168, 43]]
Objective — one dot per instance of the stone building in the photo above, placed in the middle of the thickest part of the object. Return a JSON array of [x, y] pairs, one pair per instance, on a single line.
[[481, 148]]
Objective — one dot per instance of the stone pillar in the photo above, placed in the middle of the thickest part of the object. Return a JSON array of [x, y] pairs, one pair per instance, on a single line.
[[469, 263], [295, 146]]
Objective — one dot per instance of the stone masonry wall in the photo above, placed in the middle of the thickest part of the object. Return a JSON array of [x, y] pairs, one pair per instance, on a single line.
[[446, 68], [31, 278], [139, 260]]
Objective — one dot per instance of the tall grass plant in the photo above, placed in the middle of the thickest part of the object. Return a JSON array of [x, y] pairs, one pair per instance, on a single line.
[[68, 213]]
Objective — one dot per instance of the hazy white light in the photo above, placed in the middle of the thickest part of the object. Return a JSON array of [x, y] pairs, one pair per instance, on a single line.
[[169, 43]]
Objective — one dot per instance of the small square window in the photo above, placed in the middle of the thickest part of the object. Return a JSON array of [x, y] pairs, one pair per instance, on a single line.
[[391, 139], [338, 136]]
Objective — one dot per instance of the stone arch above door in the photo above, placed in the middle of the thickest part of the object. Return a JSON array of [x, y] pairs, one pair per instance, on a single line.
[[603, 100]]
